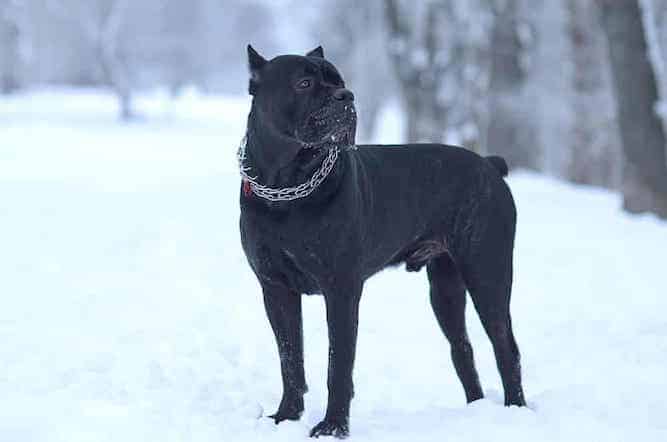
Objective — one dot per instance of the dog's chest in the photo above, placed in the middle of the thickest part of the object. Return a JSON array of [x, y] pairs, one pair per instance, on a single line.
[[291, 252], [301, 278], [300, 265]]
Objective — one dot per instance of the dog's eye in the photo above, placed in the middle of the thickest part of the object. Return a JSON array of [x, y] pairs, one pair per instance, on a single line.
[[304, 83]]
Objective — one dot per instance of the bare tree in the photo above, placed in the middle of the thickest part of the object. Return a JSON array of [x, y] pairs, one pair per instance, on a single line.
[[9, 48], [642, 133], [595, 152], [469, 86], [433, 47], [509, 133], [111, 59], [417, 53], [100, 23], [655, 24], [126, 45]]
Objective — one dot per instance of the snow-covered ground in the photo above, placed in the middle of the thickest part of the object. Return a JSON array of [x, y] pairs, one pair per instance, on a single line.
[[128, 312]]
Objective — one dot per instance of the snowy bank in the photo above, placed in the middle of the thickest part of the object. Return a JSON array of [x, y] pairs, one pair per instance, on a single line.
[[130, 314]]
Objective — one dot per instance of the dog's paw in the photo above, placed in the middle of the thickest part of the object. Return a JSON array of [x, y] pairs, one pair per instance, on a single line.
[[278, 417], [289, 410], [328, 427]]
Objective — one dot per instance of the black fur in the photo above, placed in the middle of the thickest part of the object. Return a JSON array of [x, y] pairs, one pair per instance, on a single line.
[[430, 205]]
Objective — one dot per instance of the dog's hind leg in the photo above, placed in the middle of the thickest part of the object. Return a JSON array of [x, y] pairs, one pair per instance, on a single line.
[[283, 307], [498, 325], [488, 277], [448, 299]]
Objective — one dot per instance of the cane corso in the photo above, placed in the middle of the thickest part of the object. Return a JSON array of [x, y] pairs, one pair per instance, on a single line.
[[320, 215]]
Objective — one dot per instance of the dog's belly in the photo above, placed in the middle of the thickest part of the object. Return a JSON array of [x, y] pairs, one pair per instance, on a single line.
[[417, 255]]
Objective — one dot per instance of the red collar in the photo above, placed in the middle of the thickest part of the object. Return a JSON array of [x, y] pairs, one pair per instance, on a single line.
[[247, 189]]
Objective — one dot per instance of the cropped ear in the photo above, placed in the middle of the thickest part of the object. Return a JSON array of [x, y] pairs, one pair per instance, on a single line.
[[317, 52], [255, 63]]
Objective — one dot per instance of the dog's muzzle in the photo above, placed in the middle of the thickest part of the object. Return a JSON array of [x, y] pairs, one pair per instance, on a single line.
[[334, 123]]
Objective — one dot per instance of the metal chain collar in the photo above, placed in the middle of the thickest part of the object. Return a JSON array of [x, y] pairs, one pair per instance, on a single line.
[[286, 193]]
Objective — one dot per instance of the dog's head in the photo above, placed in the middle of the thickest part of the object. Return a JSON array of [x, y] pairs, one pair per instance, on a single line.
[[303, 97]]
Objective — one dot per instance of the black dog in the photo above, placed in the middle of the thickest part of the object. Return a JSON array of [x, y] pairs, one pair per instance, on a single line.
[[319, 215]]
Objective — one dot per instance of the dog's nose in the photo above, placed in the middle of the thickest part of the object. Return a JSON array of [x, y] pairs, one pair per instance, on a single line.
[[343, 94]]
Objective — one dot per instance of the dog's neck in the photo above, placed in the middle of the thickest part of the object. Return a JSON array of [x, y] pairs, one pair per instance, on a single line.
[[280, 161], [270, 153]]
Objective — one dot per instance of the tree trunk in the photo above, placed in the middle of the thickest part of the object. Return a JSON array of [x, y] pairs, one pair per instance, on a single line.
[[508, 133], [9, 53], [125, 104], [115, 74], [420, 79], [642, 133], [595, 152], [111, 59]]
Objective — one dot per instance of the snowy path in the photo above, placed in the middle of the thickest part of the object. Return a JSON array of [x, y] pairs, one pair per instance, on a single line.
[[129, 313]]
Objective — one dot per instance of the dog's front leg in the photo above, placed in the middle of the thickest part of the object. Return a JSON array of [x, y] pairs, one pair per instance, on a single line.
[[283, 307], [342, 319]]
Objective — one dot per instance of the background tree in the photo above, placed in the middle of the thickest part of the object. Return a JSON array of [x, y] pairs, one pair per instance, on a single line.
[[595, 151], [527, 79], [434, 48], [9, 47], [642, 134], [509, 133], [100, 24], [655, 23], [420, 61]]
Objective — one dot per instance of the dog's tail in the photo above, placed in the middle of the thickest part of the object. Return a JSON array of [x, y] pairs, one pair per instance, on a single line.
[[499, 163]]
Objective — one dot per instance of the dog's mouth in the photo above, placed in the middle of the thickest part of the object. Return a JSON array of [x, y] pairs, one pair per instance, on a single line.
[[332, 125], [343, 136]]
